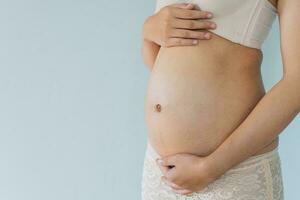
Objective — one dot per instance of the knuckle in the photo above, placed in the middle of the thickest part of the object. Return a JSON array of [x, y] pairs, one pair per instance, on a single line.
[[180, 42], [191, 24], [189, 14], [167, 11], [201, 35], [202, 14], [202, 24], [186, 34], [165, 33]]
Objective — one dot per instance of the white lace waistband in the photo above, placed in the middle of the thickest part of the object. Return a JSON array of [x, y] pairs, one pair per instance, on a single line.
[[253, 160]]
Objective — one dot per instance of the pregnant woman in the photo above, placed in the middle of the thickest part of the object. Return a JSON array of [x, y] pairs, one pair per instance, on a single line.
[[212, 129]]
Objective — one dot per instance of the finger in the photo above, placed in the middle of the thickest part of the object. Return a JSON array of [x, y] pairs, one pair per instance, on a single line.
[[184, 33], [171, 184], [172, 42], [164, 169], [192, 24], [184, 5], [162, 162], [183, 191], [197, 7], [172, 176], [191, 14], [167, 161]]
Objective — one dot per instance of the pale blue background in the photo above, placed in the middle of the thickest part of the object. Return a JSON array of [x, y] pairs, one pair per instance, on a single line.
[[72, 89]]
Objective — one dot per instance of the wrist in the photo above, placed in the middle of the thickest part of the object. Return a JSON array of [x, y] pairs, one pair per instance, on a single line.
[[205, 164], [213, 172], [147, 30], [216, 166]]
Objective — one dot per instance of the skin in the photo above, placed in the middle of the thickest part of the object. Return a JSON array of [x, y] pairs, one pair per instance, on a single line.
[[165, 35], [187, 173], [209, 71]]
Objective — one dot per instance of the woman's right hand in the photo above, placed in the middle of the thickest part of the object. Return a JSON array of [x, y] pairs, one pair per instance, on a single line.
[[178, 25]]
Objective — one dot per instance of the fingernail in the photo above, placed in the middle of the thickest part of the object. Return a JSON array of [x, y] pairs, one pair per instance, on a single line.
[[212, 25], [207, 35], [209, 15], [195, 41], [159, 161]]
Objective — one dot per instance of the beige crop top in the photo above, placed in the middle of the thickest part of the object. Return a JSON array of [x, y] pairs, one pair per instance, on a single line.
[[246, 22]]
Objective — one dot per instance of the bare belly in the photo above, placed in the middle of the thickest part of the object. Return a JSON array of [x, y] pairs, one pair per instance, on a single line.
[[198, 95]]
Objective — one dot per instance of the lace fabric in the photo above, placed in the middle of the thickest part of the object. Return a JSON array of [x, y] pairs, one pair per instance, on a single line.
[[257, 178]]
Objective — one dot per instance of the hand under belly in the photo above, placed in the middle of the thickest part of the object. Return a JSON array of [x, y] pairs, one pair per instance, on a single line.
[[194, 103]]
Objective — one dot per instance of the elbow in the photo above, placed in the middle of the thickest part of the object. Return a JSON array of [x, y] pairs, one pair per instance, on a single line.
[[149, 63], [147, 59]]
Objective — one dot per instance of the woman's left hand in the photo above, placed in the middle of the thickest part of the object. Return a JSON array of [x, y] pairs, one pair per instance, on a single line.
[[186, 173]]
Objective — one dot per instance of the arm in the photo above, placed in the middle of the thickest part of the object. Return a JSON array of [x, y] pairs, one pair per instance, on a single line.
[[149, 51], [174, 25], [276, 109]]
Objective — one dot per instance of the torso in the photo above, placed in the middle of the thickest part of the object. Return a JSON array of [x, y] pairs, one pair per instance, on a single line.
[[198, 95]]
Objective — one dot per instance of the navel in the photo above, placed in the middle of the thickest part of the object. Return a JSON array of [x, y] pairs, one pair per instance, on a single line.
[[157, 107]]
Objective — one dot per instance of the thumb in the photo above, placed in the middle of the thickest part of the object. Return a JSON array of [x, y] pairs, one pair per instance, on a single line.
[[189, 6]]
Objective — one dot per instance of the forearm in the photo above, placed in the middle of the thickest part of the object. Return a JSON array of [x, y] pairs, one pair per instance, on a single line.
[[150, 48], [149, 51], [266, 121]]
